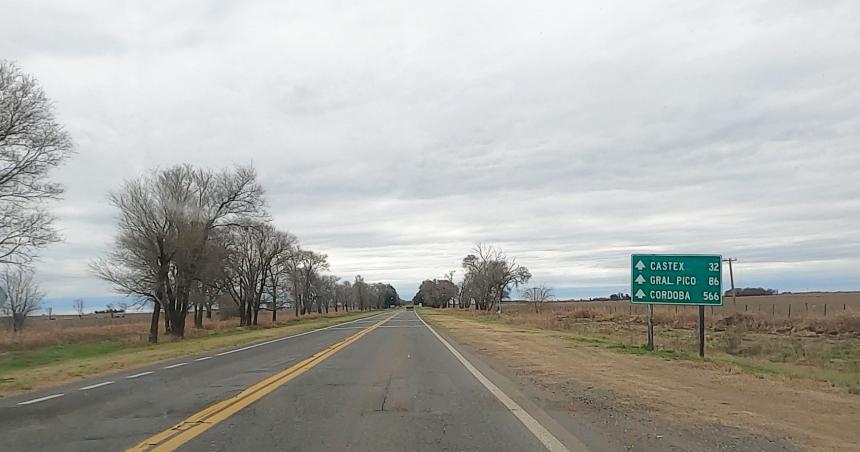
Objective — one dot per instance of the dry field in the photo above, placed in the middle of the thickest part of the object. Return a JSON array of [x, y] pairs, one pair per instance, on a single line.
[[789, 306], [663, 400], [131, 330], [813, 346]]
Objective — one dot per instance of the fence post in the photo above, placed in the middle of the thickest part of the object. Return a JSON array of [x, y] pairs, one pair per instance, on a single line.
[[746, 306], [789, 310], [825, 309], [773, 310]]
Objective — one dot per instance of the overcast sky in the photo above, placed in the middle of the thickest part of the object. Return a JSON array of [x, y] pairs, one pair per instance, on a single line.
[[394, 135]]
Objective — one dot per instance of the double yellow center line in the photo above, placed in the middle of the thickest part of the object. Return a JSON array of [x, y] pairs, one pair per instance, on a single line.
[[185, 431]]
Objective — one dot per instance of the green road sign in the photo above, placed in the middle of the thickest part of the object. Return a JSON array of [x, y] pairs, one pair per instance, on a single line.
[[676, 279]]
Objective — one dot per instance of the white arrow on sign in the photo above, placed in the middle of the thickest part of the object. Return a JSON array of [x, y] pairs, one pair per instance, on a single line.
[[640, 266], [639, 294], [639, 279]]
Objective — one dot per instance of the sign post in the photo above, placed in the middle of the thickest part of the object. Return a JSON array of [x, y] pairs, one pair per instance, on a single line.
[[650, 327], [685, 279]]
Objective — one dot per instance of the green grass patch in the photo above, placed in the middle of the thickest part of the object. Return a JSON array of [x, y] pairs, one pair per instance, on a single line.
[[54, 354], [44, 366]]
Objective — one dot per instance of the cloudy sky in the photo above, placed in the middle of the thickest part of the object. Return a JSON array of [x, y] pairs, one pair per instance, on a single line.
[[394, 135]]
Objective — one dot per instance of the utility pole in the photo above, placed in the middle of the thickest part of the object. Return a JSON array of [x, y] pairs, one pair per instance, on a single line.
[[732, 278]]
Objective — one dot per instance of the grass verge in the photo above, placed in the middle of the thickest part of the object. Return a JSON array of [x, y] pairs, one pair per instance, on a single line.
[[832, 365], [51, 365]]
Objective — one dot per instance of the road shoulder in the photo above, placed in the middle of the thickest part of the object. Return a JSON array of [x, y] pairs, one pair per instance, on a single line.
[[37, 378], [592, 393]]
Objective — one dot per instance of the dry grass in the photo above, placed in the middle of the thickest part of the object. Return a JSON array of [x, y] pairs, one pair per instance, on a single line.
[[131, 330], [819, 348], [54, 364], [791, 402], [559, 315], [773, 307]]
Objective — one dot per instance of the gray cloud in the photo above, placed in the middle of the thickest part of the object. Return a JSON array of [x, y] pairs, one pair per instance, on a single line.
[[394, 135]]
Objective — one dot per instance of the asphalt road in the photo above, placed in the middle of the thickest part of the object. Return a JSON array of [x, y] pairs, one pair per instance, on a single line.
[[381, 383]]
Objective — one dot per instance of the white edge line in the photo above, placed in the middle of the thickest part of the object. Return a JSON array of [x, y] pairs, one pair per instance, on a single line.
[[97, 385], [85, 388], [139, 375], [174, 366], [541, 433], [41, 399]]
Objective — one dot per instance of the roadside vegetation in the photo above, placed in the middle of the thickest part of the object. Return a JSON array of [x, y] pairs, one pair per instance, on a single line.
[[32, 366], [594, 365], [792, 336], [820, 349], [188, 240], [489, 276]]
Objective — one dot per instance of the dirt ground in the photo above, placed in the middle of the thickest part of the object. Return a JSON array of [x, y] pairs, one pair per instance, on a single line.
[[702, 405]]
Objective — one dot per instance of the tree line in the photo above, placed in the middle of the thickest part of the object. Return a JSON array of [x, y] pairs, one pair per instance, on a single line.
[[489, 276], [187, 236]]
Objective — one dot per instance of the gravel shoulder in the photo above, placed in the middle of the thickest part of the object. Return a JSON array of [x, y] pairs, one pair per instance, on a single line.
[[650, 403]]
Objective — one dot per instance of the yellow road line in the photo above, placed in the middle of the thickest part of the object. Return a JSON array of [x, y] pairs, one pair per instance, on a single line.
[[210, 416]]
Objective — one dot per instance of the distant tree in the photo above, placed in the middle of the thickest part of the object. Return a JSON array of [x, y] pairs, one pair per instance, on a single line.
[[23, 295], [491, 275], [537, 295], [752, 292], [78, 306], [437, 293], [253, 249], [31, 144]]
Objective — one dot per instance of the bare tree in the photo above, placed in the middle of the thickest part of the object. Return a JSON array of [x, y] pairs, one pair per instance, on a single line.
[[537, 295], [139, 264], [304, 267], [438, 293], [490, 275], [254, 248], [31, 144], [278, 286], [78, 306], [23, 295], [167, 220]]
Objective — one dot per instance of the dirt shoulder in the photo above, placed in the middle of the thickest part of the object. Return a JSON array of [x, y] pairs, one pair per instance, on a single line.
[[661, 403], [23, 375]]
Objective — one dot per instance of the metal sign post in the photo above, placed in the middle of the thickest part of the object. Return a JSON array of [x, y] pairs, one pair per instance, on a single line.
[[685, 279], [650, 327], [701, 331]]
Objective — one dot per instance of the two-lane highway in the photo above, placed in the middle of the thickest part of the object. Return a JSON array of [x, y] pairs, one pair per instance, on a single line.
[[386, 382]]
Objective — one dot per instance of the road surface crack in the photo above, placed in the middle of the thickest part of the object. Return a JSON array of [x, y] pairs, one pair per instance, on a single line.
[[385, 395]]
